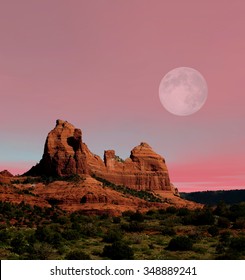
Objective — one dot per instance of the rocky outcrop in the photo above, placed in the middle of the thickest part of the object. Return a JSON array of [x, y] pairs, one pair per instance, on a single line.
[[66, 154], [87, 195], [63, 152], [144, 170], [6, 173]]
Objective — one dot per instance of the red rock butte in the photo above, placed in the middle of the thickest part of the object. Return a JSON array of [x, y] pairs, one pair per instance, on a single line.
[[110, 186], [66, 154]]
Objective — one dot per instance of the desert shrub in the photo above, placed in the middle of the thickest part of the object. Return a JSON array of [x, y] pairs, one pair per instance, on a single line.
[[205, 217], [170, 220], [49, 179], [112, 236], [188, 219], [199, 217], [232, 250], [117, 158], [168, 231], [72, 178], [135, 239], [26, 191], [133, 227], [152, 217], [237, 211], [137, 216], [128, 213], [63, 220], [42, 233], [180, 243], [125, 227], [229, 255], [77, 255], [55, 239], [31, 180], [238, 244], [104, 216], [76, 226], [221, 209], [4, 236], [40, 251], [125, 190], [116, 220], [90, 229], [49, 235], [171, 210], [3, 226], [118, 251], [162, 211], [151, 212], [195, 236], [19, 244], [239, 223], [213, 230], [224, 222], [31, 238], [80, 217], [17, 181], [225, 237], [220, 248], [183, 211], [71, 234], [151, 246]]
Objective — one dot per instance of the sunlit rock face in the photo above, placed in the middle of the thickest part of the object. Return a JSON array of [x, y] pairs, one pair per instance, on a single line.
[[144, 170], [63, 152], [66, 154]]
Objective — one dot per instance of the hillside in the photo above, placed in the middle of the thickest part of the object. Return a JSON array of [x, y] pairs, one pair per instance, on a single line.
[[214, 197]]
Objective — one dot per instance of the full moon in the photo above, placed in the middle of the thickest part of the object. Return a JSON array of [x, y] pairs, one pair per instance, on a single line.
[[183, 91]]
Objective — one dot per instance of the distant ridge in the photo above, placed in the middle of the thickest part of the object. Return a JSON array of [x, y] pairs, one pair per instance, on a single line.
[[6, 173], [214, 197]]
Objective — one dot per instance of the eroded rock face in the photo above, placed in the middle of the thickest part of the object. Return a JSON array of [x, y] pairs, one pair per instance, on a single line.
[[66, 154], [144, 170], [63, 152]]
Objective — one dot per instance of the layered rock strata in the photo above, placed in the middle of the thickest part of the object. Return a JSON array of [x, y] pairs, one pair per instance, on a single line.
[[66, 154]]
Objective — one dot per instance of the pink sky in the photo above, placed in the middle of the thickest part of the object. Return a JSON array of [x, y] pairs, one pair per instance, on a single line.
[[98, 65]]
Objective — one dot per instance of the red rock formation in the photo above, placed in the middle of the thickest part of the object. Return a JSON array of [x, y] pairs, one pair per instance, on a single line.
[[63, 152], [87, 195], [66, 154], [6, 173], [144, 170]]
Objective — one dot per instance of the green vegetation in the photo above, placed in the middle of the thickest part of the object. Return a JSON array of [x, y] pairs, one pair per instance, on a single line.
[[118, 251], [128, 191], [28, 232], [180, 243], [214, 197], [77, 255], [48, 179], [117, 158]]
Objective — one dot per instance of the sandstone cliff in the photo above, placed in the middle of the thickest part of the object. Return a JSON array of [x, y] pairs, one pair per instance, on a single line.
[[66, 154], [63, 153]]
